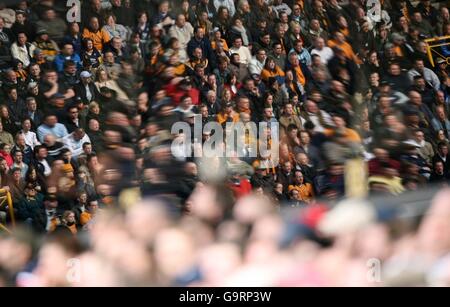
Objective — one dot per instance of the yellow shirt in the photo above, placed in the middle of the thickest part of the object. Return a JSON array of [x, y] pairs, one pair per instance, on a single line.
[[100, 38], [305, 191]]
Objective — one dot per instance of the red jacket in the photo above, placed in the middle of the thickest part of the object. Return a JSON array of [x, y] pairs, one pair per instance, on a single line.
[[244, 188], [174, 92], [7, 157]]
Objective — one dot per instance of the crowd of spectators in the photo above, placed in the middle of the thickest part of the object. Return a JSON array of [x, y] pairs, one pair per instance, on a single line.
[[87, 110]]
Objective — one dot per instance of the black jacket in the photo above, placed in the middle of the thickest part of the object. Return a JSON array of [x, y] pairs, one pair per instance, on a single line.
[[80, 91]]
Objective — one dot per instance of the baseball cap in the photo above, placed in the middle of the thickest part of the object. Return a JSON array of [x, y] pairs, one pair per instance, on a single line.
[[85, 74]]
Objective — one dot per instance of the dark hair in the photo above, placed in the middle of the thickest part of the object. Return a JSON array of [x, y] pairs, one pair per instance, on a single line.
[[69, 63]]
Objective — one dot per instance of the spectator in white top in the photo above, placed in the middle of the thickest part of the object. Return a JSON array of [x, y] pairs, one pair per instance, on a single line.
[[430, 77], [257, 62], [183, 31], [279, 6], [22, 50], [244, 52], [75, 141], [229, 4], [30, 137], [325, 52]]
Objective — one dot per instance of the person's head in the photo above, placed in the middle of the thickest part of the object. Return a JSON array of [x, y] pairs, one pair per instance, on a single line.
[[26, 125], [20, 140], [16, 174], [50, 201], [116, 43], [443, 149], [22, 38], [339, 121], [394, 69], [199, 33], [292, 131], [4, 111], [305, 138], [94, 125], [68, 218], [40, 152], [419, 82], [237, 42], [142, 17], [268, 112], [30, 191], [74, 28], [79, 134], [197, 53], [298, 177], [87, 148], [18, 157], [94, 24], [70, 68], [243, 103], [440, 112], [415, 98], [67, 50], [204, 111], [199, 70], [51, 76], [186, 102], [211, 97], [12, 94], [417, 17], [6, 148], [3, 165], [92, 206], [419, 136], [50, 120], [49, 14], [31, 104], [288, 109], [419, 65], [439, 167], [261, 55], [110, 20]]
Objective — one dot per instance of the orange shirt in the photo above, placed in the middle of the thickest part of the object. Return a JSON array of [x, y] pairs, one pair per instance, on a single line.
[[350, 134], [305, 191], [222, 118], [300, 76], [224, 44], [100, 38], [266, 74], [85, 217], [347, 48]]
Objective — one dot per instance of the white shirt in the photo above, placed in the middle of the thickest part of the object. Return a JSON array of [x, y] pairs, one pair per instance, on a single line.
[[325, 54], [47, 168], [229, 4], [244, 54], [31, 139], [255, 66], [88, 93], [76, 147], [50, 216]]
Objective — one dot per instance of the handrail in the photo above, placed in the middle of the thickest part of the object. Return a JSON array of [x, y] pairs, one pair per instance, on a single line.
[[9, 201]]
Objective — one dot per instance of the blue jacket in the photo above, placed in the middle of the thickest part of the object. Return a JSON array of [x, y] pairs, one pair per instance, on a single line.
[[61, 59]]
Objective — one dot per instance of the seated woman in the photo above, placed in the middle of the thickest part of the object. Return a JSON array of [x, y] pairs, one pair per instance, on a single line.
[[232, 84], [103, 80], [217, 39], [227, 114], [271, 70], [48, 47], [196, 59], [116, 30], [90, 54]]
